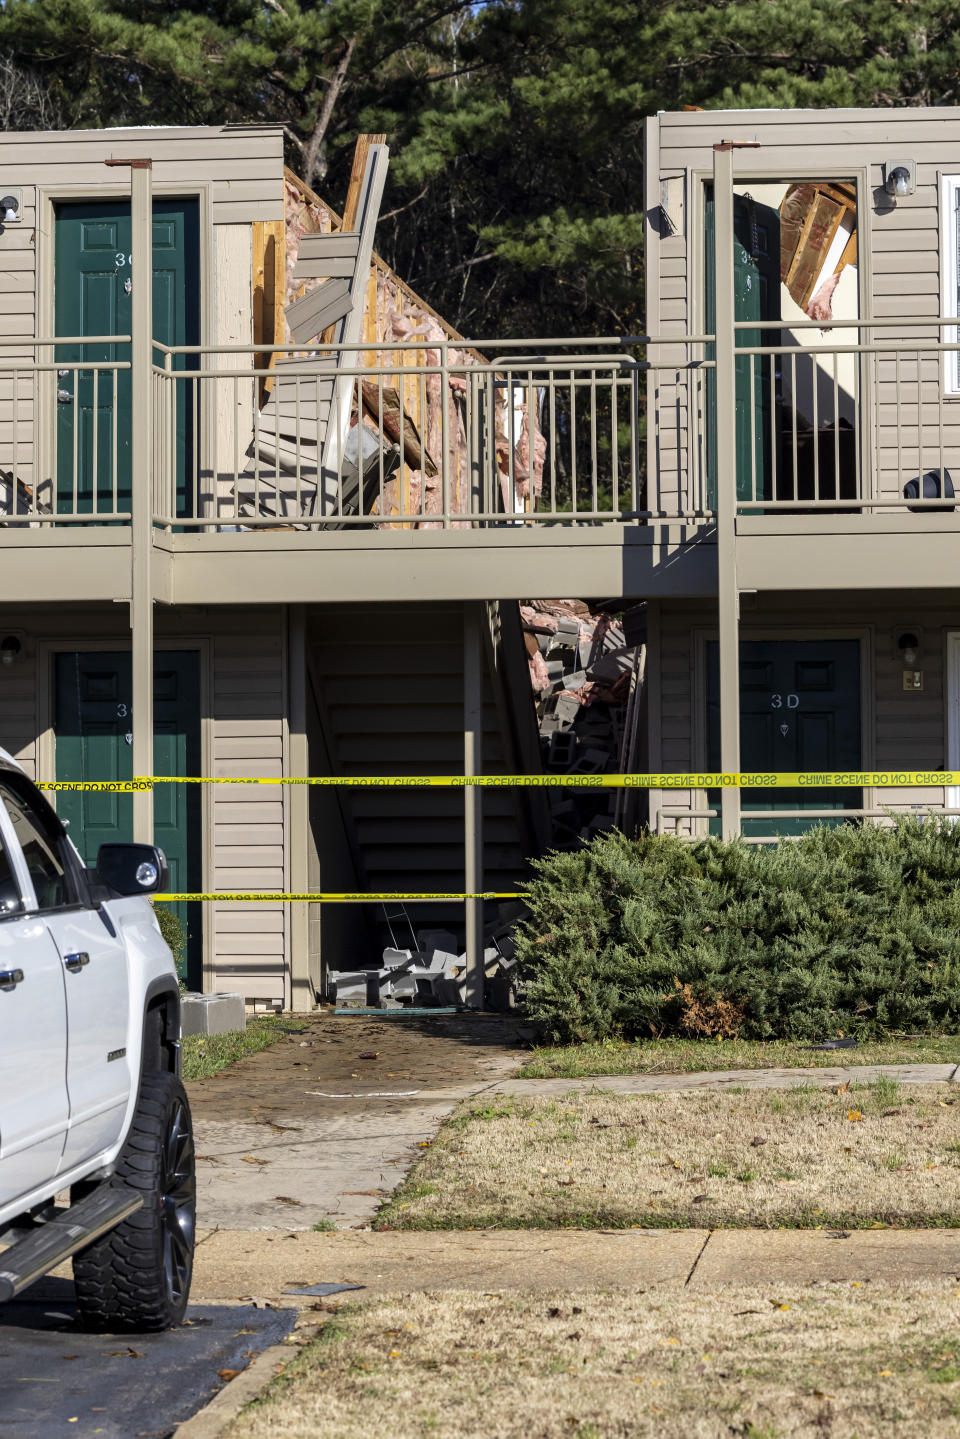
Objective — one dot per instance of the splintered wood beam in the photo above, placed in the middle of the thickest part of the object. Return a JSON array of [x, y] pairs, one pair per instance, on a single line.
[[355, 187], [354, 191], [269, 290]]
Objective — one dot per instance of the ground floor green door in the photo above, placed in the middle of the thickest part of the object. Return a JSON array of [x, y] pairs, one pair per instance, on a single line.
[[799, 710], [93, 728]]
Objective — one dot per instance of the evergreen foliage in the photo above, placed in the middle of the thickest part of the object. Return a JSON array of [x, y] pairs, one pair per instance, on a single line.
[[850, 930], [174, 933], [515, 200]]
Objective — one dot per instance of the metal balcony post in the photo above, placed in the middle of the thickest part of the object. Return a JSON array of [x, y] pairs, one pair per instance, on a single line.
[[141, 485], [728, 599], [473, 799]]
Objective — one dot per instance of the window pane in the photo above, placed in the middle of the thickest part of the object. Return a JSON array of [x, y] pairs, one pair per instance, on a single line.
[[41, 850], [11, 901]]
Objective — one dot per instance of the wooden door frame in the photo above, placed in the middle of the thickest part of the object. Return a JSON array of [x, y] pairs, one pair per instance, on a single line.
[[48, 649]]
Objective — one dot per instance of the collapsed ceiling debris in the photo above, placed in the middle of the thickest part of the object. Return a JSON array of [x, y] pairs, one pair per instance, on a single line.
[[586, 671], [818, 239], [393, 314]]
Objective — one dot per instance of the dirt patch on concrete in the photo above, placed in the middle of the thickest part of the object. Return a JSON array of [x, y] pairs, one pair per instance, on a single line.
[[322, 1126], [358, 1056]]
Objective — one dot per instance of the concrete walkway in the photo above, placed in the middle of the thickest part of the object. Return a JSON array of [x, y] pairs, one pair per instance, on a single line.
[[242, 1265], [325, 1124], [736, 1079]]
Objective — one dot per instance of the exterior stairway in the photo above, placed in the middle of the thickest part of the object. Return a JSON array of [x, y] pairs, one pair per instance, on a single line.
[[385, 697]]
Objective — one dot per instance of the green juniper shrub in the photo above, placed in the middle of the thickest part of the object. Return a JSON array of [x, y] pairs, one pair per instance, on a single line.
[[173, 932], [846, 930]]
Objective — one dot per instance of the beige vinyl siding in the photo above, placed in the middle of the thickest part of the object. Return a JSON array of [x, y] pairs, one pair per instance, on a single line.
[[244, 734], [899, 259], [249, 941], [243, 164], [18, 713], [239, 167], [900, 729]]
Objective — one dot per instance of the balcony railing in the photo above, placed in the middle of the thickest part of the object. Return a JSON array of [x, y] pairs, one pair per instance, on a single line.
[[824, 424], [410, 435], [458, 435]]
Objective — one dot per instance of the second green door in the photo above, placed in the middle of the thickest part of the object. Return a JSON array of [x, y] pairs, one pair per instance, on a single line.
[[93, 727]]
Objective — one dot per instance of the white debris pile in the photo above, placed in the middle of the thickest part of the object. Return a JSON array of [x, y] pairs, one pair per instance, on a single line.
[[584, 669], [434, 974]]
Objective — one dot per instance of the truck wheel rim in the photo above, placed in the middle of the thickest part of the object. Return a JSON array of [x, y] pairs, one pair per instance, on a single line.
[[178, 1204]]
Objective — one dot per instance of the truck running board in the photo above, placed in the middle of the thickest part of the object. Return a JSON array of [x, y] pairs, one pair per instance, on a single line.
[[72, 1229]]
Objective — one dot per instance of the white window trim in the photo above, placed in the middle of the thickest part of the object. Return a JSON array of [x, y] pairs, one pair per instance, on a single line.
[[950, 277]]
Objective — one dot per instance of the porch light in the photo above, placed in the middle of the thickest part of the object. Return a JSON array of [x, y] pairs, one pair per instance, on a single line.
[[909, 647], [10, 205], [900, 178], [10, 649]]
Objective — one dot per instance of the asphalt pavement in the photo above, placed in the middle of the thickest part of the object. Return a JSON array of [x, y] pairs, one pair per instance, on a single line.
[[55, 1379]]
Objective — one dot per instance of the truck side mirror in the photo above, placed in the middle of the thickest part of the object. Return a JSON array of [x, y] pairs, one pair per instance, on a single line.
[[132, 868]]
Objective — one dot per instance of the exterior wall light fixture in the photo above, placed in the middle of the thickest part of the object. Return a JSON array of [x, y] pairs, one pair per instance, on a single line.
[[909, 646], [11, 205], [900, 178], [11, 649]]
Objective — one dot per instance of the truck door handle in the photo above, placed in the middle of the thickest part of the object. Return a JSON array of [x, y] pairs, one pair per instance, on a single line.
[[75, 962], [10, 978]]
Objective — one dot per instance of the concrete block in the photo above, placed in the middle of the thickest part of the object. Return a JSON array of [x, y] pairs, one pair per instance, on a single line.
[[563, 749], [449, 990], [567, 707], [591, 761], [212, 1013], [394, 957], [404, 986], [500, 993], [431, 939]]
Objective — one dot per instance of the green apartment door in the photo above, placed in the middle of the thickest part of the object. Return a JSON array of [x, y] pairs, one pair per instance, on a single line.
[[93, 729], [799, 710], [756, 297], [92, 296]]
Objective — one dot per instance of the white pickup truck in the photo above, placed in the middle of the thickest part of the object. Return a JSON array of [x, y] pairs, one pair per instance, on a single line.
[[90, 1095]]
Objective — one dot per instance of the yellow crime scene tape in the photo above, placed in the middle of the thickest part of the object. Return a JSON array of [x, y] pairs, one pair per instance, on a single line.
[[266, 896], [694, 779]]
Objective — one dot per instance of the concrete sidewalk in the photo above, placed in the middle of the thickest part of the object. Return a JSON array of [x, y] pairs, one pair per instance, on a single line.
[[326, 1123], [239, 1265], [736, 1079]]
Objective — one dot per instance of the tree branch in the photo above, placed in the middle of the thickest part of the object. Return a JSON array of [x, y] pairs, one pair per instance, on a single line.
[[313, 150], [409, 205]]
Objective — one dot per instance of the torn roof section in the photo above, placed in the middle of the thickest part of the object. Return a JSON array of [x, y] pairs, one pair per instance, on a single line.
[[302, 296]]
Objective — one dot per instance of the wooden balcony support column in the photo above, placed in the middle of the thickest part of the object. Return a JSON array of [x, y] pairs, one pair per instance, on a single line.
[[141, 468], [728, 599], [473, 799]]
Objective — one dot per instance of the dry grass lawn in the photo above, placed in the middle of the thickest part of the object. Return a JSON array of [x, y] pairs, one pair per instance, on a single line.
[[843, 1361], [880, 1154], [686, 1056]]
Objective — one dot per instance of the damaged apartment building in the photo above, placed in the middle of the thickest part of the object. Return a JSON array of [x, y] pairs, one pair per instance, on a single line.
[[271, 518], [288, 538]]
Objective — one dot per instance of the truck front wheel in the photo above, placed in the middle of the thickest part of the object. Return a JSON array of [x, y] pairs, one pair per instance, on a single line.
[[137, 1277]]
